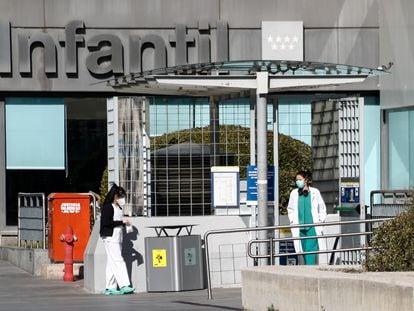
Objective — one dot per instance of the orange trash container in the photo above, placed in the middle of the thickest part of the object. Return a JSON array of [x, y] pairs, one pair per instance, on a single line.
[[66, 209]]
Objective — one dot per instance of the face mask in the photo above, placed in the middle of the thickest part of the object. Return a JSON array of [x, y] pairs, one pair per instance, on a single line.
[[121, 202], [300, 183]]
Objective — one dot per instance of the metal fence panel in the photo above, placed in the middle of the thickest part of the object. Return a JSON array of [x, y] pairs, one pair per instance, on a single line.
[[388, 203], [31, 219]]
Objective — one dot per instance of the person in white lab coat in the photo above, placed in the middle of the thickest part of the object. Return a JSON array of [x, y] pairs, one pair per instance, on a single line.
[[306, 206], [112, 223]]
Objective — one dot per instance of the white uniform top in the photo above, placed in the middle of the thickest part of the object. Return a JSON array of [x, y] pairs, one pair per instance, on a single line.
[[318, 215], [117, 234]]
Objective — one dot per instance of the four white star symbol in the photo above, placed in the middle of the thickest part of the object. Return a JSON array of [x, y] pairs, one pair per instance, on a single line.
[[285, 42]]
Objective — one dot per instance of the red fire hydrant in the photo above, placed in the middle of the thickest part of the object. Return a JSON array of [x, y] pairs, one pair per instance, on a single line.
[[69, 238]]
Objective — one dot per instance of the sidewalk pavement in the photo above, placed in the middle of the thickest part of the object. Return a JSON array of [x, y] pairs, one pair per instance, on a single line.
[[22, 291]]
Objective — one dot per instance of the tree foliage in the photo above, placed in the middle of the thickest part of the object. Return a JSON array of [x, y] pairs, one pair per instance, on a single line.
[[393, 244], [103, 189]]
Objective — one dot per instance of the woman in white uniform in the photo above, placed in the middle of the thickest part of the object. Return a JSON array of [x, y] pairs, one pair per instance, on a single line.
[[306, 206], [112, 223]]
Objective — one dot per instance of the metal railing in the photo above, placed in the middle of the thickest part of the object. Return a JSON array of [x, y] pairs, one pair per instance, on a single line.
[[388, 203], [93, 202], [271, 241], [31, 223], [325, 236]]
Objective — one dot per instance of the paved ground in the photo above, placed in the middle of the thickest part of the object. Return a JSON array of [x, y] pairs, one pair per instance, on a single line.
[[22, 291]]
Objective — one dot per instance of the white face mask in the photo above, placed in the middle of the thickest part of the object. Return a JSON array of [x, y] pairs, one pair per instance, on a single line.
[[121, 202]]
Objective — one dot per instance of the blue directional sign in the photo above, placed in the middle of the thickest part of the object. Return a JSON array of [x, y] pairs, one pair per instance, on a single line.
[[252, 183]]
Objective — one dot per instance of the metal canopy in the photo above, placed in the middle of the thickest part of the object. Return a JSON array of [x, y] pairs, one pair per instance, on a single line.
[[209, 79], [261, 76]]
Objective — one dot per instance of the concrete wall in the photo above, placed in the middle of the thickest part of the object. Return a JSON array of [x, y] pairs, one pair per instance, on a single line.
[[335, 31], [313, 288], [30, 260], [227, 252]]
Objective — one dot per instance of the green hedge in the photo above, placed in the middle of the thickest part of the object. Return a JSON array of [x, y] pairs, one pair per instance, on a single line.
[[103, 189], [393, 244]]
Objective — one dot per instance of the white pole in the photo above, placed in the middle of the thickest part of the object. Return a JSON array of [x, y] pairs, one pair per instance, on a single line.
[[262, 87], [276, 171]]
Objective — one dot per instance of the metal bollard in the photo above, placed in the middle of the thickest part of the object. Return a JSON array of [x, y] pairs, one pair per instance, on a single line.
[[69, 239]]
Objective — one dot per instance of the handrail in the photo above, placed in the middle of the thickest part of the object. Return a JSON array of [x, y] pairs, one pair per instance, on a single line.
[[315, 252], [93, 202], [267, 228], [272, 240]]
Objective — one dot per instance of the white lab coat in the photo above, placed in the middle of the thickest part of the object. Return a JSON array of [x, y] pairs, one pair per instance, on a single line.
[[318, 215]]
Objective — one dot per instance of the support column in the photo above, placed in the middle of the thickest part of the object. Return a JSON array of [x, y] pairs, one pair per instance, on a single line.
[[214, 131], [253, 129], [2, 169], [361, 121], [384, 140], [276, 171], [262, 86]]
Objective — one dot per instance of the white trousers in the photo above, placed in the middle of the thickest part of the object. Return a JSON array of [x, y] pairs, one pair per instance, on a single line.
[[116, 271]]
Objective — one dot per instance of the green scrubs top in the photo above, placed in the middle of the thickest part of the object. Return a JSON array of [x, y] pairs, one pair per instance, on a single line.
[[305, 217]]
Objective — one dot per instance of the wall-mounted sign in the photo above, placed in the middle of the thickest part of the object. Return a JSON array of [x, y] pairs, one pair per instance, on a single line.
[[282, 41], [252, 184], [225, 186], [350, 192], [108, 52]]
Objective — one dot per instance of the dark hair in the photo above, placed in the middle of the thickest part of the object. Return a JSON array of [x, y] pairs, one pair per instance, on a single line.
[[304, 174], [115, 190]]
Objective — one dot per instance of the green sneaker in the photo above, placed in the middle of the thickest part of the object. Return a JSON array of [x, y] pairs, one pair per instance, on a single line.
[[112, 291], [127, 290]]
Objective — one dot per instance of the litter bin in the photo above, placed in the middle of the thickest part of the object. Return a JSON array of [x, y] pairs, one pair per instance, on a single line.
[[68, 209], [173, 262]]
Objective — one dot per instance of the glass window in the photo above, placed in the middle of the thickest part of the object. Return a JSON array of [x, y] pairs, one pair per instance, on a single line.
[[295, 115], [284, 129], [306, 117], [283, 117], [295, 108], [294, 119], [372, 146], [401, 149], [35, 133], [306, 129], [86, 144]]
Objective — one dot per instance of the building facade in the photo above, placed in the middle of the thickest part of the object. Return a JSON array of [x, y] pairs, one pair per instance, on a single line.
[[56, 55]]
